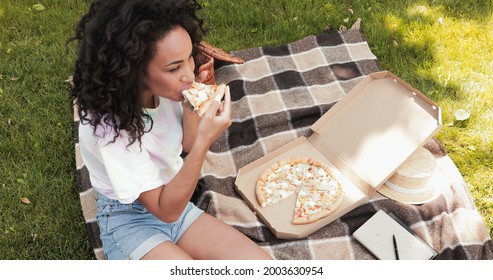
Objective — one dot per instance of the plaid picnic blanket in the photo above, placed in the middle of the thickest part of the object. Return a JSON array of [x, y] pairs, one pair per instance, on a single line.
[[277, 94]]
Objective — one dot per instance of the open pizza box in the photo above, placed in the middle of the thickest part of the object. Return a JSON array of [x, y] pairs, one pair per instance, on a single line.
[[364, 138]]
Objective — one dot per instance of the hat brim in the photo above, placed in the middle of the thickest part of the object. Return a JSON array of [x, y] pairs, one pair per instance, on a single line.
[[435, 186]]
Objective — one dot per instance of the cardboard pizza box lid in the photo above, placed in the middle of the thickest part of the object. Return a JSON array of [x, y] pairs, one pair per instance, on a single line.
[[363, 138], [375, 128]]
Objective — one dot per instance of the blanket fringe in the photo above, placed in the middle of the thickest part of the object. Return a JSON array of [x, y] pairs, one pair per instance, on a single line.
[[356, 26]]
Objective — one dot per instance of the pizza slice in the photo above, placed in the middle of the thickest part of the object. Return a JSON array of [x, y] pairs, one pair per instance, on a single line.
[[313, 204], [274, 185], [320, 177], [200, 96]]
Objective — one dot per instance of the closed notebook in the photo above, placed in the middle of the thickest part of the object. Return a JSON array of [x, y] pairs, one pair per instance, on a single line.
[[377, 233]]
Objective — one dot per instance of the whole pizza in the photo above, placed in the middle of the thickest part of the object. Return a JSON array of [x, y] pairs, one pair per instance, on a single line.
[[318, 191]]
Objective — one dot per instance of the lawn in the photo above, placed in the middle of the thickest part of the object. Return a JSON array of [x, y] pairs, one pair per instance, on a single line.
[[442, 48]]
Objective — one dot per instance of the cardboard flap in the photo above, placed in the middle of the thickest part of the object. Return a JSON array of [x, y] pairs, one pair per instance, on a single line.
[[376, 127]]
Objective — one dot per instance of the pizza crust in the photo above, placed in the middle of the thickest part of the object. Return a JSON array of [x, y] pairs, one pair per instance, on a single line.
[[312, 218], [319, 193]]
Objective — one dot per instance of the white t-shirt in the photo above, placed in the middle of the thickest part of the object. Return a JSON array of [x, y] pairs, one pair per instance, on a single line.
[[123, 173]]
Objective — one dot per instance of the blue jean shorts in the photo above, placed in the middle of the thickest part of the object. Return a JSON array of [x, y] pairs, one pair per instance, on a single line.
[[129, 231]]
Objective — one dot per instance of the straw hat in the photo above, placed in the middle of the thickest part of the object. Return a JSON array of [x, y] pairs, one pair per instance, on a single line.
[[417, 181]]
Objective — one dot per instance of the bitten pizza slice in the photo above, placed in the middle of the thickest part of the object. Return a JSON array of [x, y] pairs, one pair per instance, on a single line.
[[200, 96]]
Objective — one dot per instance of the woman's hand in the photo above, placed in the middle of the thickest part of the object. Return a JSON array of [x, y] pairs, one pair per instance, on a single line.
[[215, 120]]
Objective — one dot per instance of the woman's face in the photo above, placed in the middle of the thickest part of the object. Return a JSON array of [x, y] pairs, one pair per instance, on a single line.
[[170, 71]]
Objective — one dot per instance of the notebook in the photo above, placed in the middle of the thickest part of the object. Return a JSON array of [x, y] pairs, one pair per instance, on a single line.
[[377, 233]]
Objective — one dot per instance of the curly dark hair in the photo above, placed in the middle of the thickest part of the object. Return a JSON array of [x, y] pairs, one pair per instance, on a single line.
[[116, 41]]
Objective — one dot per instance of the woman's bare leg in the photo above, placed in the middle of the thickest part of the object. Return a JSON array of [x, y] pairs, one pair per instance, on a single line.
[[166, 251], [208, 238]]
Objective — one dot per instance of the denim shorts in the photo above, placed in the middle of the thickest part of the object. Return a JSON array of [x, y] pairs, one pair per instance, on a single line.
[[129, 231]]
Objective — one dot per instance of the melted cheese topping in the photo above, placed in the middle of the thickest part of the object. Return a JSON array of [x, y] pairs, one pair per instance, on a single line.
[[198, 94], [316, 189]]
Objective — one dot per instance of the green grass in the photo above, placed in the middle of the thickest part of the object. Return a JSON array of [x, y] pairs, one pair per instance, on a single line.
[[443, 48], [36, 143]]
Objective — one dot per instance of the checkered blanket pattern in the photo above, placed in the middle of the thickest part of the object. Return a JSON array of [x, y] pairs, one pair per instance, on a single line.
[[277, 94]]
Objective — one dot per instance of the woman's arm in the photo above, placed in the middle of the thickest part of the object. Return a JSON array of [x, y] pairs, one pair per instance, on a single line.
[[167, 202]]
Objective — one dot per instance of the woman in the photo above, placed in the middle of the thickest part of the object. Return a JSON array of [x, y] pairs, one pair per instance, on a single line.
[[135, 58]]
